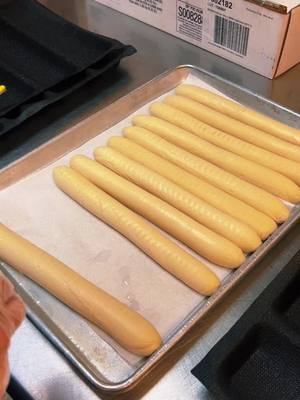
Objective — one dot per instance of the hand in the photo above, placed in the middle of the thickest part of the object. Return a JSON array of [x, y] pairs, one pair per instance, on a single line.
[[12, 312]]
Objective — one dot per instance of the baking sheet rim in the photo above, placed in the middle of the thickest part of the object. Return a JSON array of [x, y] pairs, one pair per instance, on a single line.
[[68, 348]]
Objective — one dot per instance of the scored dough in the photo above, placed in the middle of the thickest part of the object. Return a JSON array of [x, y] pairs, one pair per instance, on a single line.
[[252, 195], [286, 167], [205, 214], [250, 171], [241, 113], [171, 257], [240, 130], [199, 238], [238, 209]]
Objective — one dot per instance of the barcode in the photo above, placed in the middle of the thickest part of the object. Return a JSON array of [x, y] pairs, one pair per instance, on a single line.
[[231, 35]]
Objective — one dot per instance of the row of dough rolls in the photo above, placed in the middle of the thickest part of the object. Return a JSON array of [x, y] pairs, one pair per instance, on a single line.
[[211, 188], [201, 168]]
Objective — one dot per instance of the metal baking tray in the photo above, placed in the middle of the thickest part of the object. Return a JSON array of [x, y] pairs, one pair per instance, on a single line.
[[72, 139]]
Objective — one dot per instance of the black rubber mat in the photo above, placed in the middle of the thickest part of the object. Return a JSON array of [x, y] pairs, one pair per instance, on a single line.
[[259, 358], [43, 58]]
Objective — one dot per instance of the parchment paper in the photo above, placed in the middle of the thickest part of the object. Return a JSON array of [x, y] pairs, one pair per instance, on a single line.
[[39, 211]]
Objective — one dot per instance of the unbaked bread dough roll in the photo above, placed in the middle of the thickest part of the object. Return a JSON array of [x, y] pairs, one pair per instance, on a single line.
[[202, 240], [287, 167], [235, 128], [258, 221], [126, 326], [232, 229], [240, 113], [252, 195], [162, 250], [258, 175]]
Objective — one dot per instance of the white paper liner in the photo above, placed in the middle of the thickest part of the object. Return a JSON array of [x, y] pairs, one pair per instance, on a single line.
[[39, 211]]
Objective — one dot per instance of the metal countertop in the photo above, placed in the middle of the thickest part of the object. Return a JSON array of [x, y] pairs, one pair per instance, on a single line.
[[34, 362]]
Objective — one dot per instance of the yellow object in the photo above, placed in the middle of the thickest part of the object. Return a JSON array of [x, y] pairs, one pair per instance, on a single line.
[[252, 195], [214, 219], [162, 250], [2, 89], [202, 240], [258, 221], [240, 113], [231, 126], [126, 326], [250, 171], [287, 167]]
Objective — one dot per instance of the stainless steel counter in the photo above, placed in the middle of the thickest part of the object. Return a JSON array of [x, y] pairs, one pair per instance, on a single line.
[[35, 363]]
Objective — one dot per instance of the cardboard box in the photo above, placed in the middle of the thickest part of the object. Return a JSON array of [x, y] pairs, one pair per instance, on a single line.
[[260, 35]]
